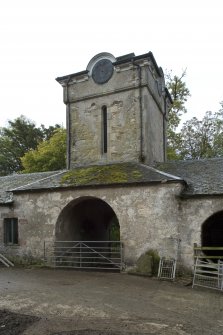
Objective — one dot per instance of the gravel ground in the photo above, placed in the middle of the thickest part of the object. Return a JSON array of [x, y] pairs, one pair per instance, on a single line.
[[14, 323], [63, 302]]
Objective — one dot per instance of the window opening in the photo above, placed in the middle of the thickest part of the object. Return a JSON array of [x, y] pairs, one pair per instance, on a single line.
[[104, 130], [11, 231]]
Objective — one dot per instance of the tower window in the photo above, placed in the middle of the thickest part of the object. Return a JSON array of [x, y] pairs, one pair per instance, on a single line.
[[104, 130], [11, 231]]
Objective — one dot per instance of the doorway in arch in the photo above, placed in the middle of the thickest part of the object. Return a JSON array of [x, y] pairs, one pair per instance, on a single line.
[[88, 236], [212, 235]]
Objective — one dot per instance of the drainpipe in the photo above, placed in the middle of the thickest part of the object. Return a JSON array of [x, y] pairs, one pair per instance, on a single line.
[[164, 129], [141, 156], [166, 96], [68, 123]]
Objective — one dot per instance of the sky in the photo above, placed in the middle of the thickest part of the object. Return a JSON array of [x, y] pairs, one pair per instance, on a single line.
[[44, 39]]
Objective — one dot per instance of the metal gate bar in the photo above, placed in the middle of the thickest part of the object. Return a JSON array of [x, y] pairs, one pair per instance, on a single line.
[[207, 274], [167, 268], [106, 255]]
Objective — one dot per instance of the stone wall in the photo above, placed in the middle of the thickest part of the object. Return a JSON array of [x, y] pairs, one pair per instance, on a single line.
[[194, 212], [141, 212], [150, 217], [123, 130], [121, 95]]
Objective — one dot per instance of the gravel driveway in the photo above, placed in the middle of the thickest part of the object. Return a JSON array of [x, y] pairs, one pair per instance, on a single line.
[[73, 302]]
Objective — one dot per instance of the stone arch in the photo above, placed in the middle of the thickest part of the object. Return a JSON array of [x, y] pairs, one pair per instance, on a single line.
[[212, 233], [87, 219]]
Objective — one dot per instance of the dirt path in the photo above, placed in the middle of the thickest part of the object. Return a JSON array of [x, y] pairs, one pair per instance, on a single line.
[[80, 303]]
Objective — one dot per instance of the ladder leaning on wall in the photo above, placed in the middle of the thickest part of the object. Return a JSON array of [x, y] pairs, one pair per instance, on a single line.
[[3, 259]]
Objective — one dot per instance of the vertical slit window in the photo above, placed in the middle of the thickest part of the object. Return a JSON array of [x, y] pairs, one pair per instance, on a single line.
[[104, 130], [11, 231]]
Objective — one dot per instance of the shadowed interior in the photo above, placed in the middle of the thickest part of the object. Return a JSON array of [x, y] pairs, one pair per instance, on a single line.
[[87, 219], [212, 234]]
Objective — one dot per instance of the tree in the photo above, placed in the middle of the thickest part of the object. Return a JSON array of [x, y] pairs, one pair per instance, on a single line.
[[50, 155], [197, 138], [179, 93], [203, 138], [20, 136], [48, 132]]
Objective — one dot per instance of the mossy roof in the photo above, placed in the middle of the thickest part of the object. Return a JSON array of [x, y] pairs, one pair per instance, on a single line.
[[113, 174], [85, 176], [201, 177]]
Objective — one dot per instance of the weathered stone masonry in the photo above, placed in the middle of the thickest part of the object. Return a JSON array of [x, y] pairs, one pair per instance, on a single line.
[[137, 105]]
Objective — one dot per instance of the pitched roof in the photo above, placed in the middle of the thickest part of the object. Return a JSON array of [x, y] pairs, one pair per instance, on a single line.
[[95, 175], [203, 177], [16, 181], [115, 174]]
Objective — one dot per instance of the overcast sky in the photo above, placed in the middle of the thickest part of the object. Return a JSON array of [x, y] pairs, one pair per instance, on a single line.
[[41, 40]]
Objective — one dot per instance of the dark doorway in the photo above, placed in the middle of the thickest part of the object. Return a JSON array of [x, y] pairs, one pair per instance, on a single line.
[[87, 219], [212, 234], [87, 236]]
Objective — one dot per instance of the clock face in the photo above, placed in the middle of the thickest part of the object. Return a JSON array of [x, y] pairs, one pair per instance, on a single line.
[[102, 71]]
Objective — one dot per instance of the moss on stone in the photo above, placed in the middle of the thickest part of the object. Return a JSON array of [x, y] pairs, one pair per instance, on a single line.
[[101, 174], [156, 259], [147, 264]]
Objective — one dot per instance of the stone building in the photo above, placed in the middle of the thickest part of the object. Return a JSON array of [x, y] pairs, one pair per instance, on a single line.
[[117, 176]]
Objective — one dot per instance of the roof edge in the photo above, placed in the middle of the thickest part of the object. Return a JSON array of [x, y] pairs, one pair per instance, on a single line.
[[129, 184], [120, 60]]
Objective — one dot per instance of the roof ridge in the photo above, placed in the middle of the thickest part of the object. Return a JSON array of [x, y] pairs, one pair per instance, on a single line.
[[37, 181], [162, 173]]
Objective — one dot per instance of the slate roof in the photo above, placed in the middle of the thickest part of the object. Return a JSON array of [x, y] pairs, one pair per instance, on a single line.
[[203, 177], [14, 181], [103, 175], [6, 198]]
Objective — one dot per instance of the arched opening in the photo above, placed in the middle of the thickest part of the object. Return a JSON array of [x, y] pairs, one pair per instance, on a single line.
[[212, 234], [88, 236], [87, 219]]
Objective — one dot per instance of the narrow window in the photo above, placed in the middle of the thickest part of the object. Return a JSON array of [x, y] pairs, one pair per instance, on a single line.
[[104, 130], [11, 231]]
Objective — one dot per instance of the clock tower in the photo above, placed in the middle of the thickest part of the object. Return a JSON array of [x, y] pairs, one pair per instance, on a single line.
[[117, 111]]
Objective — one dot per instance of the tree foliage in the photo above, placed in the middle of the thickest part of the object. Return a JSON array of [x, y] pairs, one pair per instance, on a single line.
[[203, 138], [197, 138], [179, 93], [20, 136], [50, 155]]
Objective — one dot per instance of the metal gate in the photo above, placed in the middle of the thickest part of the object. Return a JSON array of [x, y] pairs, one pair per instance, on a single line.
[[103, 255], [208, 268], [208, 274]]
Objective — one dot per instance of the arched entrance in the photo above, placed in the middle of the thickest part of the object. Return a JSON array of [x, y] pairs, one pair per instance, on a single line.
[[88, 235], [87, 219], [212, 234]]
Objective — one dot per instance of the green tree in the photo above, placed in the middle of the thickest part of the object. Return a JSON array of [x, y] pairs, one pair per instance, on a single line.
[[48, 132], [50, 155], [179, 93], [203, 138], [20, 136]]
